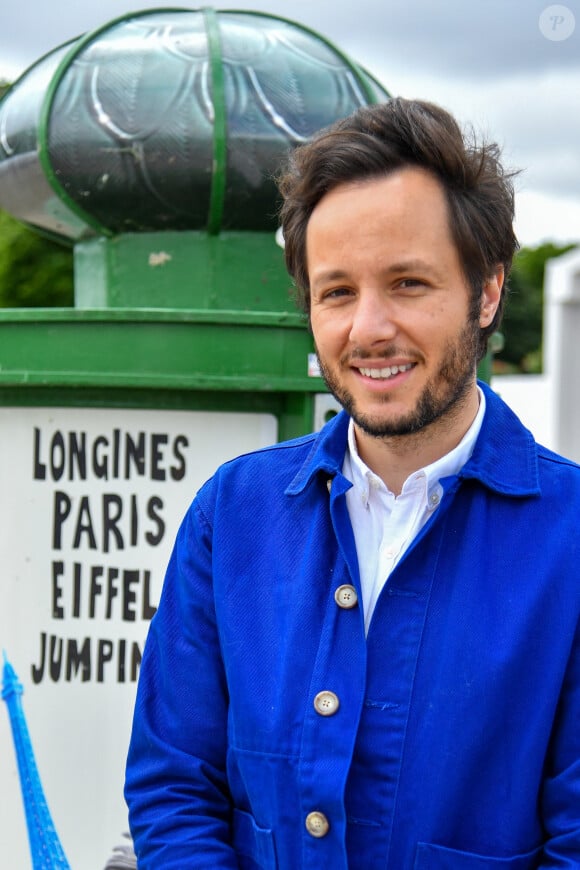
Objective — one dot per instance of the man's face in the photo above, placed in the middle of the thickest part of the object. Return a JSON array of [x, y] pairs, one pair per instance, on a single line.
[[390, 307]]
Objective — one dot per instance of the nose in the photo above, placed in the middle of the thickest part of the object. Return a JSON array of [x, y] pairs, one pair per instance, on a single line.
[[373, 319]]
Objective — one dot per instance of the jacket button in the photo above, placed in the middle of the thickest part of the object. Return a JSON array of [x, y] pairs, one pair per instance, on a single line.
[[317, 824], [326, 703], [346, 597]]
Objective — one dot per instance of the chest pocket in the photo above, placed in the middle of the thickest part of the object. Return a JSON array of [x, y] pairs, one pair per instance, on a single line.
[[429, 857], [254, 846]]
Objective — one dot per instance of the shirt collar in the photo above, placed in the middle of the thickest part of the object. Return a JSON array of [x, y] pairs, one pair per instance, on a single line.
[[504, 457], [363, 478]]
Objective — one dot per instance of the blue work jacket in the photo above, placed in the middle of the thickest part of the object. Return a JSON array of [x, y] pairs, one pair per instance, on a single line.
[[452, 737]]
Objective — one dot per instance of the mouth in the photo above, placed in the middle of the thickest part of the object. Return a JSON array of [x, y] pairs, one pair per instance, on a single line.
[[385, 373]]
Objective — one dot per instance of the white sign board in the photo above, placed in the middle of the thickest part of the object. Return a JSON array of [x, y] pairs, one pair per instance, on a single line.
[[90, 503]]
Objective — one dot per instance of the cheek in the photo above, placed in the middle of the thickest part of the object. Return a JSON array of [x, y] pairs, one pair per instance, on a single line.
[[329, 331], [440, 328], [430, 325]]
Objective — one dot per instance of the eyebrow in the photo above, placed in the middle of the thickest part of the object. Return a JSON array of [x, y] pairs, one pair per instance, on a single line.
[[402, 267], [329, 275], [416, 265]]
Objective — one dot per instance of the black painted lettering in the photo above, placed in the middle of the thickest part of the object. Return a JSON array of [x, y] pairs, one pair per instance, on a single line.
[[116, 446], [104, 656], [55, 661], [96, 589], [130, 578], [100, 458], [135, 661], [38, 670], [84, 524], [77, 571], [122, 652], [112, 512], [178, 470], [158, 441], [57, 456], [77, 659], [77, 459], [112, 590], [88, 659], [62, 508], [39, 467], [154, 505], [134, 522], [148, 611], [135, 455], [57, 609]]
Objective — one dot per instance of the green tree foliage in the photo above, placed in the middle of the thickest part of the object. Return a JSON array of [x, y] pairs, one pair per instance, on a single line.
[[522, 324], [35, 272]]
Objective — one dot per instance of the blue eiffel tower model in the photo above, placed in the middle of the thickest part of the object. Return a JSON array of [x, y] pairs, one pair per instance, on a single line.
[[47, 852]]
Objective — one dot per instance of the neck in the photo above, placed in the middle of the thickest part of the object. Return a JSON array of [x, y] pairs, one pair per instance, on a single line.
[[394, 457]]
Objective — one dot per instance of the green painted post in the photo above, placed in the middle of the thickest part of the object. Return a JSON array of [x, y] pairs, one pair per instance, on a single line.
[[150, 146]]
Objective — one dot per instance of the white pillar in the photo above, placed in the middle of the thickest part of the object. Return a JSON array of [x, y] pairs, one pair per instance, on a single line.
[[562, 348]]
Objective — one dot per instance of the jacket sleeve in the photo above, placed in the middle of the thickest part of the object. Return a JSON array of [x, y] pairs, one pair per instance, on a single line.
[[176, 785], [561, 793]]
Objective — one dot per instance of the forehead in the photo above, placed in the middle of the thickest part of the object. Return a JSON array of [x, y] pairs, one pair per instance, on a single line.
[[404, 213], [410, 189]]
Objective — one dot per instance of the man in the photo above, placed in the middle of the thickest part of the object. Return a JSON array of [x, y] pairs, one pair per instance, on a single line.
[[367, 651]]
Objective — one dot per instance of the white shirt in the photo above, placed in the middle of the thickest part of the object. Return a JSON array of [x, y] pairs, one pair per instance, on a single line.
[[385, 525]]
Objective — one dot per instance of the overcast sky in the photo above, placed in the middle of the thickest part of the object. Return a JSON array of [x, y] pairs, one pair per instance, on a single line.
[[510, 67]]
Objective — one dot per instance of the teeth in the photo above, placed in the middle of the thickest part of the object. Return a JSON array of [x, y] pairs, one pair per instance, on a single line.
[[387, 372]]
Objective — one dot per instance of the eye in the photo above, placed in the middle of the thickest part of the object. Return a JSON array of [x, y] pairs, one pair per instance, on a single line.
[[412, 285], [337, 292], [334, 294]]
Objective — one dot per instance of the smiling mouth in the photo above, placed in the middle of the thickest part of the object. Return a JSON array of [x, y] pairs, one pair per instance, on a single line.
[[386, 372]]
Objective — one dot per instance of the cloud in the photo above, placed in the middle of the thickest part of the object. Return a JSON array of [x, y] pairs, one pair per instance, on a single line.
[[487, 39], [535, 118], [487, 62], [543, 218]]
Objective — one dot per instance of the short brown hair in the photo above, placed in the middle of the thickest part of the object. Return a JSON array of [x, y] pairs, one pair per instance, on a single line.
[[380, 139]]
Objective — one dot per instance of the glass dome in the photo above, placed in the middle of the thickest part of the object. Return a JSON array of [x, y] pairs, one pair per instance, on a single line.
[[169, 120]]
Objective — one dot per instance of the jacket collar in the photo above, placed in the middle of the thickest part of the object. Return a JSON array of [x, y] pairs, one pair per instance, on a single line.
[[326, 455], [504, 458]]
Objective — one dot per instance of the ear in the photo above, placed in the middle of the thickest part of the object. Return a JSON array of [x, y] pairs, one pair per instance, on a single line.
[[490, 296]]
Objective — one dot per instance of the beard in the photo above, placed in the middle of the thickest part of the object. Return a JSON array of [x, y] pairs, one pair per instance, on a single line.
[[441, 397]]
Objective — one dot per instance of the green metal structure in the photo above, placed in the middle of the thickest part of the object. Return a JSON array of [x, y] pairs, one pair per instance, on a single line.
[[150, 145]]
